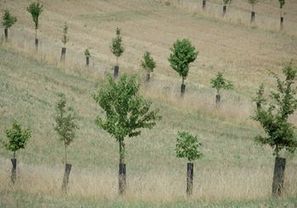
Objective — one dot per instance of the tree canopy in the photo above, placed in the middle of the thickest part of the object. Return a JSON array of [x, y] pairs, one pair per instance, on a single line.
[[219, 82], [35, 9], [17, 137], [187, 146], [8, 20], [148, 62], [273, 113], [126, 112], [182, 54]]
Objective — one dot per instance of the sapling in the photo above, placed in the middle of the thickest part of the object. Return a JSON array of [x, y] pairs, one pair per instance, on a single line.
[[148, 64], [182, 54], [117, 49], [65, 126], [203, 4], [225, 3], [187, 146], [273, 114], [7, 21], [35, 9], [281, 5], [88, 56], [220, 83], [65, 40], [17, 139], [126, 113], [253, 13]]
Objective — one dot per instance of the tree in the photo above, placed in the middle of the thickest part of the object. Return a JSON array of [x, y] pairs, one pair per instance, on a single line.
[[281, 5], [65, 39], [88, 56], [225, 2], [273, 115], [220, 83], [253, 13], [65, 126], [182, 54], [187, 146], [126, 113], [117, 49], [148, 64], [203, 4], [35, 9], [17, 139], [8, 21]]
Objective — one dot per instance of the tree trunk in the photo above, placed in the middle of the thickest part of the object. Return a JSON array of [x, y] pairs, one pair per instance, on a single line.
[[278, 176], [66, 177], [224, 10], [218, 100], [122, 168], [183, 87], [87, 60], [63, 54], [253, 14], [281, 23], [203, 4], [6, 34], [116, 70], [13, 169], [281, 18], [148, 76], [190, 171], [36, 40]]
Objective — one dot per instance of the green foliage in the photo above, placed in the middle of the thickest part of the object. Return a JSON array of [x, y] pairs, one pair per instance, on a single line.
[[281, 3], [66, 121], [116, 46], [126, 112], [182, 54], [273, 115], [253, 2], [148, 62], [187, 146], [8, 20], [87, 53], [17, 137], [35, 9], [219, 82], [65, 38], [227, 2]]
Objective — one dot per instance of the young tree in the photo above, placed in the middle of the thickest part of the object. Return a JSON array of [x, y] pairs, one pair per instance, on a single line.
[[65, 126], [117, 49], [187, 146], [7, 21], [273, 115], [220, 83], [253, 13], [182, 54], [148, 64], [17, 139], [281, 5], [203, 4], [88, 56], [225, 3], [65, 39], [35, 9], [126, 113]]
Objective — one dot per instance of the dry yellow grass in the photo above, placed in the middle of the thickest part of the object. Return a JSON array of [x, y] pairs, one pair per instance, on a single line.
[[233, 167]]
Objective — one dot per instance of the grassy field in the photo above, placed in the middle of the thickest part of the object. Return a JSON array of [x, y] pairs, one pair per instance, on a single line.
[[234, 172]]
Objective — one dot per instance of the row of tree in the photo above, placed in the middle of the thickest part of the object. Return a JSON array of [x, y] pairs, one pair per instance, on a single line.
[[127, 113], [183, 53], [253, 13]]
